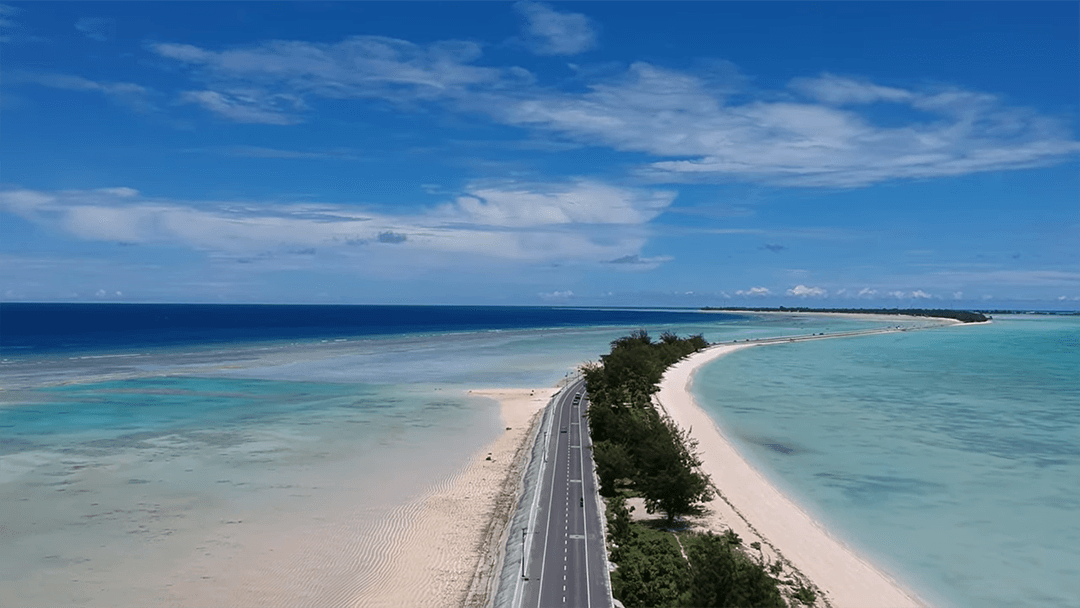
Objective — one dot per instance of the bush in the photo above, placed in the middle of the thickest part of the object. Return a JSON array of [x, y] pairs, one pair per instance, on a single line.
[[651, 572], [805, 596], [725, 577]]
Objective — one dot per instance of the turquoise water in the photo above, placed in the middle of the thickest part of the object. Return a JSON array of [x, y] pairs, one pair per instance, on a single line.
[[188, 475], [180, 476], [950, 456]]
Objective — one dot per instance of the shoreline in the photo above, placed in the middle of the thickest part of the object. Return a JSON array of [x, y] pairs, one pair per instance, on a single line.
[[750, 505], [449, 555]]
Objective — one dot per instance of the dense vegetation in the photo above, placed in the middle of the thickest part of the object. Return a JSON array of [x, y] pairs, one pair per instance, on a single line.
[[661, 569], [943, 313], [639, 452], [634, 446]]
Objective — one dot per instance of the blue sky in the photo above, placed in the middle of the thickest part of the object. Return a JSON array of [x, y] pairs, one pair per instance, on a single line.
[[817, 154]]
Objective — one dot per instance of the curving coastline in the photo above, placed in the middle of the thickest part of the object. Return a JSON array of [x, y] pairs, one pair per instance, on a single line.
[[756, 510]]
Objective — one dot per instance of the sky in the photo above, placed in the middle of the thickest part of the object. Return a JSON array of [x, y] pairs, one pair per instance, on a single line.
[[871, 154]]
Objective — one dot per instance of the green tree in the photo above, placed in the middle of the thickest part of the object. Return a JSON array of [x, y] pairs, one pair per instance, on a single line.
[[670, 480], [613, 462], [652, 572], [722, 577], [620, 525]]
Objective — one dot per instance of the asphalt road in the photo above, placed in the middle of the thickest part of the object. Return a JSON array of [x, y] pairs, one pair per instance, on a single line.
[[566, 565]]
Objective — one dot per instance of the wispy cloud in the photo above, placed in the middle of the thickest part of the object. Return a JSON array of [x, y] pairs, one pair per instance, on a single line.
[[250, 106], [837, 90], [357, 67], [549, 32], [754, 291], [127, 93], [578, 222], [795, 142], [78, 83], [817, 131], [12, 31]]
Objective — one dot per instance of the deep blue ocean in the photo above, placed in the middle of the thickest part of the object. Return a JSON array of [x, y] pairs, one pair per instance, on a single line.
[[45, 328]]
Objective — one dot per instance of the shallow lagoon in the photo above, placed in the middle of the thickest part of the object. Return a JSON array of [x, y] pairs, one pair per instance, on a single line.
[[949, 456], [255, 474]]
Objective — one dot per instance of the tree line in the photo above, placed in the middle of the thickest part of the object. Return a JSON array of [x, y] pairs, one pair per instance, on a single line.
[[641, 453], [964, 316], [634, 447]]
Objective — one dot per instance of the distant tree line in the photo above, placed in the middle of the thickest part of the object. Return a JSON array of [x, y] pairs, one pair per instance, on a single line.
[[1056, 313], [964, 316], [640, 452]]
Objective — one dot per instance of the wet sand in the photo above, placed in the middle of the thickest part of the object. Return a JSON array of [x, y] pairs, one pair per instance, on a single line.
[[449, 553]]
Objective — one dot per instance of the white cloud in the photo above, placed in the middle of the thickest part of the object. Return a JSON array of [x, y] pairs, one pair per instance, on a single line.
[[917, 294], [678, 115], [556, 295], [247, 107], [837, 90], [571, 223], [754, 291], [357, 67], [580, 202], [549, 32], [816, 132], [120, 192], [804, 291], [866, 292]]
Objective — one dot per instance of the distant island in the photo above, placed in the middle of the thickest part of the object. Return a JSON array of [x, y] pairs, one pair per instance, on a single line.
[[963, 316]]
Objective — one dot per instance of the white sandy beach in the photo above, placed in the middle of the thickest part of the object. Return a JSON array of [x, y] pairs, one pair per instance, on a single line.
[[756, 510], [450, 552]]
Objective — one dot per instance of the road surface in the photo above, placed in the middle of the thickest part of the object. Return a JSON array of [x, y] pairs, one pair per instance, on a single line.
[[565, 564]]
